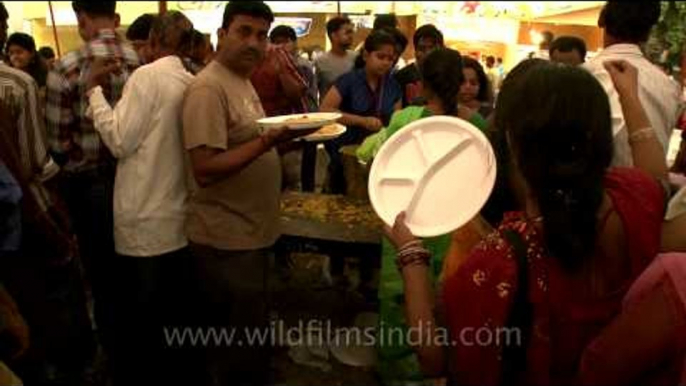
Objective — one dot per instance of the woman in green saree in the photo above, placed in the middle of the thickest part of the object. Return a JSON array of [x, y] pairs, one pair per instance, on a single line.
[[442, 77]]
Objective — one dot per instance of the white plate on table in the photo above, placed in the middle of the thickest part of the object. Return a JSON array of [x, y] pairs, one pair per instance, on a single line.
[[305, 121], [441, 170], [326, 133]]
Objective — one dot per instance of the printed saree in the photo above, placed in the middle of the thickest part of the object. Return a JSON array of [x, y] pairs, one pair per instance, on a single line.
[[480, 295]]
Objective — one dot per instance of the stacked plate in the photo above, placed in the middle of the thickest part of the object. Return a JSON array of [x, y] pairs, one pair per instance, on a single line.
[[300, 121], [326, 122]]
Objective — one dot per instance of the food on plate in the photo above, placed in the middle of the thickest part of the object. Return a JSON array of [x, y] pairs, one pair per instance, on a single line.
[[327, 130], [303, 119]]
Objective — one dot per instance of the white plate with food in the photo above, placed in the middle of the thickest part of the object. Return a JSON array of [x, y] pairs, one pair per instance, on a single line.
[[440, 170], [326, 133], [305, 121]]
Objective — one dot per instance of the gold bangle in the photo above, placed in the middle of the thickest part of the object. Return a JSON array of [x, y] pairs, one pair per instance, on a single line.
[[416, 257], [409, 244], [641, 135]]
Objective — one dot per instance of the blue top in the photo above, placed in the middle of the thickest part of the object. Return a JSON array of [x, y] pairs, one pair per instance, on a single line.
[[359, 99], [10, 211]]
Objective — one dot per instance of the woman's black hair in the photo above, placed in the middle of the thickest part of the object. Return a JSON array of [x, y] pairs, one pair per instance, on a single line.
[[374, 42], [441, 73], [283, 31], [485, 92], [140, 28], [510, 83], [427, 31], [37, 67], [400, 39], [503, 198], [557, 119], [46, 52]]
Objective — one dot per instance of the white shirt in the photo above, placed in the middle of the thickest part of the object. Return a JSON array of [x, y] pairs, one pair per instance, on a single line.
[[144, 131], [542, 54], [659, 95]]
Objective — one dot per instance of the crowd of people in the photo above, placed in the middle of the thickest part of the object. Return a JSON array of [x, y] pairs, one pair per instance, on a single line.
[[135, 181]]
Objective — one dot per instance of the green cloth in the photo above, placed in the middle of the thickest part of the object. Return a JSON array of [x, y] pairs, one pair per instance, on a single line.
[[400, 119], [398, 364]]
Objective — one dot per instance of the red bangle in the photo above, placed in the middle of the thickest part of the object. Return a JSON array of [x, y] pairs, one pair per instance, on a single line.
[[418, 257]]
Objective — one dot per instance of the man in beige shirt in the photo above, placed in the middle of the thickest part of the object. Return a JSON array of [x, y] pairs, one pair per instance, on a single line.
[[233, 218]]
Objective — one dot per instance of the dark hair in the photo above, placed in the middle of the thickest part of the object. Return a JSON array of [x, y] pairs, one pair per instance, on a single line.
[[510, 83], [563, 146], [22, 40], [374, 42], [629, 21], [335, 24], [485, 93], [490, 60], [46, 52], [172, 30], [283, 31], [427, 31], [547, 38], [400, 39], [503, 198], [441, 73], [568, 44], [198, 39], [508, 91], [256, 9], [385, 21], [37, 67], [140, 28], [95, 8], [4, 15]]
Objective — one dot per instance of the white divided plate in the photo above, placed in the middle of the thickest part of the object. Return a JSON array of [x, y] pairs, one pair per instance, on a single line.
[[335, 131], [441, 170], [294, 121]]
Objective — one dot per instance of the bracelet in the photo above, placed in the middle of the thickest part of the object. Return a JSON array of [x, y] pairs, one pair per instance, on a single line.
[[412, 260], [419, 256], [411, 251], [641, 135], [413, 243]]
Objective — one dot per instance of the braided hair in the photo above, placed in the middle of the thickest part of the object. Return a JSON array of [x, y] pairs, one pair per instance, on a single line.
[[562, 146]]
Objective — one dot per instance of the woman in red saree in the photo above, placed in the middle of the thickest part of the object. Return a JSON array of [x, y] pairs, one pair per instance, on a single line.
[[533, 295]]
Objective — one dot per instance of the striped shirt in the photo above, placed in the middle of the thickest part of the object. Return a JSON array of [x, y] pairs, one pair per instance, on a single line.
[[70, 132], [22, 131], [266, 81], [26, 130]]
